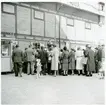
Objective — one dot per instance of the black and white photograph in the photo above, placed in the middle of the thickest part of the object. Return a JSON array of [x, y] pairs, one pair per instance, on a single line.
[[53, 52]]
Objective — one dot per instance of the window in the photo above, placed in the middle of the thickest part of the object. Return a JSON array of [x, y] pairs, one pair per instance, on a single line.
[[87, 25], [38, 15], [9, 8], [101, 6], [5, 48], [70, 22]]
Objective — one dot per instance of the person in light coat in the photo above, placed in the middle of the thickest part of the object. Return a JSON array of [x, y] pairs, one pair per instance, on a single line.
[[30, 60], [79, 55], [55, 59]]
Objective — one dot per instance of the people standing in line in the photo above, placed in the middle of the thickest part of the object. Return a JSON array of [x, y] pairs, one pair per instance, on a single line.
[[17, 58], [79, 55], [42, 54], [90, 61], [30, 60], [65, 56], [25, 62], [101, 61], [55, 60], [72, 61]]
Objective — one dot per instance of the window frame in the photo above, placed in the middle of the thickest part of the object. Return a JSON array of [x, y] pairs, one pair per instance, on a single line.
[[3, 10], [70, 24], [86, 26], [37, 17]]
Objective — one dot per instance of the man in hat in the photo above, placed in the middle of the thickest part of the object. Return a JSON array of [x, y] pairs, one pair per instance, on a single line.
[[17, 58]]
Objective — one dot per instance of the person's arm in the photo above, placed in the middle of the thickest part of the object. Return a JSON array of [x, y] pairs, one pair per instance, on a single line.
[[13, 56], [22, 55]]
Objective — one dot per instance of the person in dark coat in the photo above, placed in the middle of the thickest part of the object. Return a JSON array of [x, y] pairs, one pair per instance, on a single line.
[[44, 57], [96, 59], [65, 56], [91, 61], [25, 62], [72, 61], [49, 61], [86, 57], [17, 58]]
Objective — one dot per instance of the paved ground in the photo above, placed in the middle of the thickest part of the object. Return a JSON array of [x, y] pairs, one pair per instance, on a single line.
[[52, 90]]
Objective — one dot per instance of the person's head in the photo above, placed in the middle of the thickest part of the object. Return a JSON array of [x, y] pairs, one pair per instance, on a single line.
[[72, 49], [26, 49], [103, 46], [42, 47], [78, 48], [65, 48], [30, 46], [87, 45], [61, 50], [96, 48], [17, 46], [54, 45]]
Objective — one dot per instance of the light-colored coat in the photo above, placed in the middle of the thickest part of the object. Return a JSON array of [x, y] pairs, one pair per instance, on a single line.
[[55, 59], [79, 55], [29, 54]]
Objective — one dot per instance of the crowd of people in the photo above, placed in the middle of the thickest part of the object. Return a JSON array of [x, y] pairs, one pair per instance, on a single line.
[[39, 60]]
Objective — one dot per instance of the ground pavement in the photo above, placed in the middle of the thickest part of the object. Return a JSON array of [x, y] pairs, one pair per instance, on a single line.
[[52, 90]]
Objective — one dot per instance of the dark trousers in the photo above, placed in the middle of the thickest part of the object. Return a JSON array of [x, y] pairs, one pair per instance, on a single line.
[[49, 67], [85, 69], [44, 68], [25, 67], [18, 68], [96, 67]]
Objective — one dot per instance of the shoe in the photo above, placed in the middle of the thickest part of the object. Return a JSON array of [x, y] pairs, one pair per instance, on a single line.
[[20, 75], [16, 75], [78, 74], [28, 74]]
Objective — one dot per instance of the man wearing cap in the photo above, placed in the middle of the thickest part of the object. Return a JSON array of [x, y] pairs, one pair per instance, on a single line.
[[17, 58]]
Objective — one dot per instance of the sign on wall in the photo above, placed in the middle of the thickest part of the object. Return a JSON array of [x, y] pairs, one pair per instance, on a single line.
[[7, 23], [23, 20]]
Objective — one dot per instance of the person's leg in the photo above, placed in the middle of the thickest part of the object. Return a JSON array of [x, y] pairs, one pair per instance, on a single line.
[[55, 73], [32, 68], [42, 72], [72, 72], [28, 68], [16, 69], [20, 69], [66, 72], [45, 69]]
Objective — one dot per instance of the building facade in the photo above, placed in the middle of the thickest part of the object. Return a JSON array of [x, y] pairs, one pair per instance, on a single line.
[[29, 22]]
